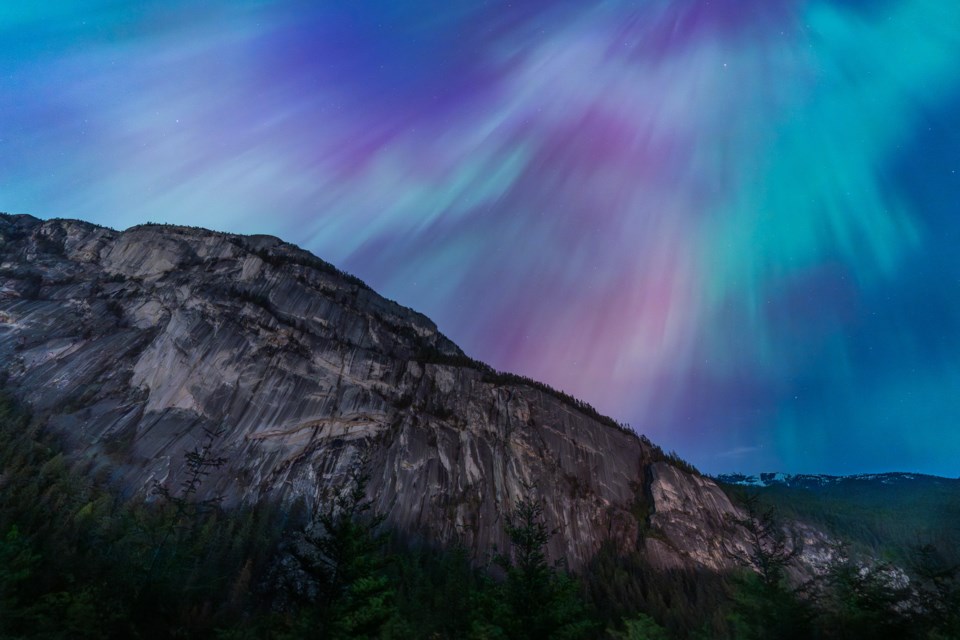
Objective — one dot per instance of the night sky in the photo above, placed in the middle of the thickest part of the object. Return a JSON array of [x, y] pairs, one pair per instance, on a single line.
[[734, 224]]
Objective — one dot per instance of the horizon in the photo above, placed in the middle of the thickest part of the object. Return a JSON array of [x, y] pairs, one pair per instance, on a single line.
[[732, 226]]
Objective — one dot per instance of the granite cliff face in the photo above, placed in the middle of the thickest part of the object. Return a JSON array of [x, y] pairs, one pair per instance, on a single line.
[[131, 343]]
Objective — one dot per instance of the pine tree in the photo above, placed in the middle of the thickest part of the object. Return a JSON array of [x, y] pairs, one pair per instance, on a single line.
[[639, 627], [187, 509], [537, 600], [343, 553], [765, 605]]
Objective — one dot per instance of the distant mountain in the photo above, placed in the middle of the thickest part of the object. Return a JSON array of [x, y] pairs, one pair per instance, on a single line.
[[886, 514], [819, 481]]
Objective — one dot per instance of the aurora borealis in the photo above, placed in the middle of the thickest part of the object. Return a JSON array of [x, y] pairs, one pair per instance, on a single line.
[[734, 224]]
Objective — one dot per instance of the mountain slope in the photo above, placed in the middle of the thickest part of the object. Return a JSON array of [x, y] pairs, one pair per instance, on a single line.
[[885, 514], [132, 343]]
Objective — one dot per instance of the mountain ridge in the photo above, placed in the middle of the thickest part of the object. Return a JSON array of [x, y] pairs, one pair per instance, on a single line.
[[816, 480]]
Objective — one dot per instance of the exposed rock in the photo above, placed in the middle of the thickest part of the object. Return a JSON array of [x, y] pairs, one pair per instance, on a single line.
[[689, 511], [131, 343]]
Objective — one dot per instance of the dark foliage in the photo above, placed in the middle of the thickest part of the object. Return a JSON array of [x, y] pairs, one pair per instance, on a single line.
[[536, 599], [429, 354], [765, 603], [867, 601], [299, 257], [683, 601], [342, 553], [79, 561], [886, 518], [857, 596]]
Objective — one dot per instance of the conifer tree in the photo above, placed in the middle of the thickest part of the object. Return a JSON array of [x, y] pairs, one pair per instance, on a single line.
[[343, 553], [765, 605], [537, 600], [187, 509], [640, 627]]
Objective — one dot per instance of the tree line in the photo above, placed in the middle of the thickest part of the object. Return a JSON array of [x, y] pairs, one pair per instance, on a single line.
[[78, 559]]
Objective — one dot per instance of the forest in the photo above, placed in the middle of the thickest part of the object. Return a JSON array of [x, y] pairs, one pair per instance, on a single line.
[[81, 559]]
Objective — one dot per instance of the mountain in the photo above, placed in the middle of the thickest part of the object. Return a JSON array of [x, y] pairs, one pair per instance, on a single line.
[[885, 514], [132, 345], [822, 481]]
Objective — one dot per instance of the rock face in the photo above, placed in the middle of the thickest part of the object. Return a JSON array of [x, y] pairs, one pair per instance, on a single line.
[[132, 343]]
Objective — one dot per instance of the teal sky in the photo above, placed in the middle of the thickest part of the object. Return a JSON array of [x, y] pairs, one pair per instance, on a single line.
[[734, 224]]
